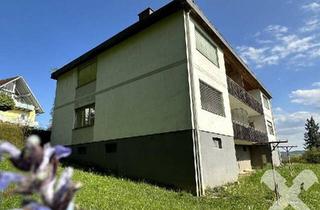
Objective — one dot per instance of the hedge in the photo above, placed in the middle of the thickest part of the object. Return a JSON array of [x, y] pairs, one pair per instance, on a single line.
[[12, 133]]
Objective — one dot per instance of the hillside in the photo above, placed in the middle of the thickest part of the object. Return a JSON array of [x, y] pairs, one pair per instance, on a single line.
[[106, 192]]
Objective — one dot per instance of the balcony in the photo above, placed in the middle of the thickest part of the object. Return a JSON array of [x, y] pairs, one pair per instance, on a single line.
[[247, 133], [23, 106], [241, 94]]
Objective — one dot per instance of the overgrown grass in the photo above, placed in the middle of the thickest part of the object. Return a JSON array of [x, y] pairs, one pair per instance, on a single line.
[[106, 192]]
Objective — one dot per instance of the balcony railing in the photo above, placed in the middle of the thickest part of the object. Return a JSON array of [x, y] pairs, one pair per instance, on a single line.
[[24, 106], [243, 132], [241, 94]]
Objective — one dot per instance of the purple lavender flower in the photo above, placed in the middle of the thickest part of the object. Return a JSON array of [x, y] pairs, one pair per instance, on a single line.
[[42, 164], [6, 178]]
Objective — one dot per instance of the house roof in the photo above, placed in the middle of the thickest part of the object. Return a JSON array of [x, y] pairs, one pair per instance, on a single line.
[[157, 15], [6, 81], [25, 87]]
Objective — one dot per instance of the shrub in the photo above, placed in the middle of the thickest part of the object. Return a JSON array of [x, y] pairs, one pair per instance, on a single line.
[[312, 155], [6, 102], [12, 133], [297, 159]]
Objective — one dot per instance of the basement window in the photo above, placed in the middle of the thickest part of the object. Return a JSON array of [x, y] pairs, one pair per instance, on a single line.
[[211, 99], [217, 142], [111, 148], [82, 150], [85, 116], [207, 48]]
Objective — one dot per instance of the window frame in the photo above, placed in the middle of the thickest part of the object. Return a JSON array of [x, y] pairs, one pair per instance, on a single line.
[[266, 102], [222, 99], [203, 34], [270, 125], [91, 120]]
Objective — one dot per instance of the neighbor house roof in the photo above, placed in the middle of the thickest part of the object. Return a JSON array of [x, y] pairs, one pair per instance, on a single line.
[[22, 85], [6, 81], [159, 14]]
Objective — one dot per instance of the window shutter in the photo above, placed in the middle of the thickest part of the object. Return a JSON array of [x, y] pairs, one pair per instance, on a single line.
[[206, 48], [211, 99]]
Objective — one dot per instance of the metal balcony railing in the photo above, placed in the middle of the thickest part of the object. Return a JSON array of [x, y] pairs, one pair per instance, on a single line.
[[241, 94], [243, 132]]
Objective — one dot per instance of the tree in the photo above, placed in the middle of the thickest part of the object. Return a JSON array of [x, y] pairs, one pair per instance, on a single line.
[[6, 102], [312, 135]]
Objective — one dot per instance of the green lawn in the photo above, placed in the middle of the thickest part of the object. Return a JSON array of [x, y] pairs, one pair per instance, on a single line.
[[106, 192]]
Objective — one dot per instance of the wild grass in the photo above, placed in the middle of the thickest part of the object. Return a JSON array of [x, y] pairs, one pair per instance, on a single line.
[[107, 192]]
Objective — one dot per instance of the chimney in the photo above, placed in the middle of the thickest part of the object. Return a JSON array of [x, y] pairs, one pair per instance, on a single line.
[[145, 13]]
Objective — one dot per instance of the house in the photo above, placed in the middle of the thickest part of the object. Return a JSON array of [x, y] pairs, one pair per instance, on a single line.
[[26, 104], [168, 100]]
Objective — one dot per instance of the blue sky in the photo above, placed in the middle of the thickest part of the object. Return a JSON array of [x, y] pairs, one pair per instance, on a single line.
[[280, 40]]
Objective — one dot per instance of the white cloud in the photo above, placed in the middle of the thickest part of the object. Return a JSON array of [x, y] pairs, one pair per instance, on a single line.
[[316, 84], [311, 25], [289, 48], [306, 97], [313, 6], [276, 30], [290, 126], [295, 47]]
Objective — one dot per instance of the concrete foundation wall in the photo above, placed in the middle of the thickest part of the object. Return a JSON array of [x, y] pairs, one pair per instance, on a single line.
[[163, 158], [219, 165]]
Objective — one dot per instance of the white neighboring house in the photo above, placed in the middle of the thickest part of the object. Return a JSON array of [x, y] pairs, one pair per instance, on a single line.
[[26, 104]]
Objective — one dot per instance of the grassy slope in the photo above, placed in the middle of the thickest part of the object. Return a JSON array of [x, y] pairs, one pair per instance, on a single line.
[[105, 192]]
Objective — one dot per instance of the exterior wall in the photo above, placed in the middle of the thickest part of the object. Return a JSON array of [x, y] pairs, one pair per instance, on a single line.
[[63, 117], [14, 116], [216, 77], [142, 84], [219, 165], [163, 158], [141, 88]]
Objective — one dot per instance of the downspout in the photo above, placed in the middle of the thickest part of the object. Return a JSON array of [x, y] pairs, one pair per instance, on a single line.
[[194, 115]]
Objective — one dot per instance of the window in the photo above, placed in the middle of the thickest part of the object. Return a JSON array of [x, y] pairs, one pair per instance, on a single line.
[[82, 150], [266, 102], [111, 148], [206, 48], [217, 143], [87, 73], [23, 117], [85, 116], [270, 128], [211, 99]]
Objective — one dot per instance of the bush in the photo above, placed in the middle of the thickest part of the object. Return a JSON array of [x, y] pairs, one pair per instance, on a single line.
[[6, 102], [297, 159], [312, 156], [12, 133]]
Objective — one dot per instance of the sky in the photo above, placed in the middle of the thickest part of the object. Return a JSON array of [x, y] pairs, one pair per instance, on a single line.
[[279, 40]]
